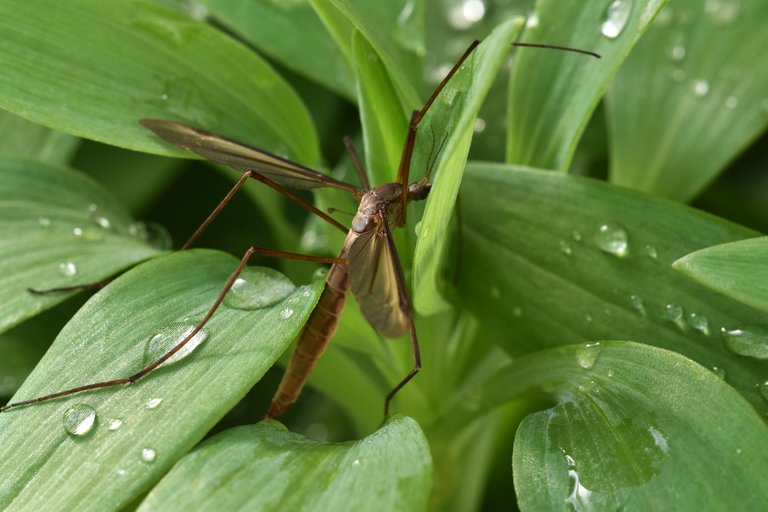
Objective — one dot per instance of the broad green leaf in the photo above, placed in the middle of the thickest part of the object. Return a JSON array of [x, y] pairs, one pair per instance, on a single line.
[[553, 93], [454, 113], [101, 65], [162, 415], [736, 269], [265, 467], [574, 259], [384, 124], [287, 31], [691, 96], [632, 427], [57, 228], [393, 29], [21, 138]]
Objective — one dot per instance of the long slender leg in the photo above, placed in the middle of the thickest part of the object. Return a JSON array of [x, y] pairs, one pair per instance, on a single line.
[[358, 163], [405, 307], [144, 371], [405, 161]]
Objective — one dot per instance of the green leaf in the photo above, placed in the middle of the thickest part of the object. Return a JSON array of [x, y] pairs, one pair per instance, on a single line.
[[735, 269], [265, 467], [58, 228], [373, 18], [20, 138], [101, 65], [44, 467], [454, 113], [285, 31], [384, 124], [633, 427], [553, 93], [555, 280], [704, 76]]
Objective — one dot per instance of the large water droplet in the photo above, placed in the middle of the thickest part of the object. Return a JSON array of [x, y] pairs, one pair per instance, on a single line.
[[79, 419], [720, 372], [722, 11], [258, 287], [168, 338], [612, 238], [67, 269], [675, 314], [699, 322], [148, 455], [616, 17], [587, 354], [749, 340]]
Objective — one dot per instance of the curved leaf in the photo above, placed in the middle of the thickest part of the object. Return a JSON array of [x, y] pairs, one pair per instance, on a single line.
[[705, 75], [265, 467], [453, 113], [22, 138], [101, 65], [44, 467], [735, 269], [634, 427], [559, 278], [552, 96], [57, 228], [268, 24], [372, 19]]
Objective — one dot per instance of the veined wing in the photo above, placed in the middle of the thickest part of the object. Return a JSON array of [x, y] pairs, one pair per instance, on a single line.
[[242, 157], [373, 280]]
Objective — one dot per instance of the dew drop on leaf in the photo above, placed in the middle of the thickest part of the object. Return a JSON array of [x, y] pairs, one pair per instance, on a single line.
[[612, 238], [152, 403], [169, 337], [616, 17], [148, 455], [749, 340], [79, 419], [67, 269], [258, 287], [285, 313]]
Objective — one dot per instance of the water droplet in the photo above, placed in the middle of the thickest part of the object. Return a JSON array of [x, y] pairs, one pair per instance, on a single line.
[[612, 238], [67, 269], [152, 403], [533, 20], [121, 472], [576, 236], [78, 232], [258, 287], [637, 303], [699, 322], [677, 53], [164, 97], [169, 337], [138, 229], [616, 18], [115, 424], [763, 389], [659, 439], [285, 313], [664, 19], [731, 102], [580, 497], [148, 455], [320, 273], [157, 236], [722, 11], [565, 248], [98, 218], [749, 340], [720, 372], [678, 75], [587, 354], [700, 88], [479, 125], [466, 14], [44, 221], [651, 251], [357, 462], [79, 419], [674, 313]]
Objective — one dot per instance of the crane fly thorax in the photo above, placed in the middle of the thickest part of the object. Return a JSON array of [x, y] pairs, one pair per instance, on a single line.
[[382, 201]]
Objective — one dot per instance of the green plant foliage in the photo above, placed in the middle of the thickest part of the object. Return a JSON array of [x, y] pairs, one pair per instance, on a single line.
[[731, 269], [59, 229], [109, 338], [518, 274], [388, 470], [668, 137]]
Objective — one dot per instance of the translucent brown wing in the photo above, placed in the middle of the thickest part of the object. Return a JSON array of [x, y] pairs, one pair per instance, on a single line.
[[373, 280], [242, 157]]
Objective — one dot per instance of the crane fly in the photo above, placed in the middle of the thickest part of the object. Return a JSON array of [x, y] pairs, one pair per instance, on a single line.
[[367, 265]]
